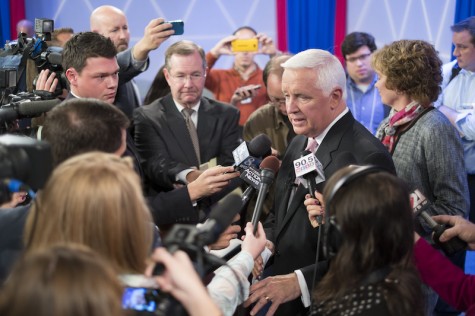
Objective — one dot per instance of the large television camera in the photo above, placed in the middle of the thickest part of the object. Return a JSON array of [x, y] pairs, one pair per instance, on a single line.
[[25, 165], [14, 57]]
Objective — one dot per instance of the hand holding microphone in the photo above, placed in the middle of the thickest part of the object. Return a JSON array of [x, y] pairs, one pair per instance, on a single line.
[[420, 205], [315, 208], [309, 168], [459, 227]]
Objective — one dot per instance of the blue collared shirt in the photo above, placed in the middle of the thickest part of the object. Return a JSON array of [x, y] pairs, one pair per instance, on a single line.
[[366, 107]]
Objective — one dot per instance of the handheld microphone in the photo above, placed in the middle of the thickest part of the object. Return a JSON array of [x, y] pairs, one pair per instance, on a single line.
[[269, 167], [419, 205], [191, 238], [251, 154], [311, 170]]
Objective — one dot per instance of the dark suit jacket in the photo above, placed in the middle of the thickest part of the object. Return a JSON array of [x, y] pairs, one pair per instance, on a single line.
[[294, 238], [126, 99], [166, 207], [164, 143]]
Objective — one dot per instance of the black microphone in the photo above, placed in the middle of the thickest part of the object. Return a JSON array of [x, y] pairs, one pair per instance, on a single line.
[[26, 108], [55, 58], [220, 217], [8, 114], [420, 204], [252, 153], [269, 167], [191, 238], [36, 108]]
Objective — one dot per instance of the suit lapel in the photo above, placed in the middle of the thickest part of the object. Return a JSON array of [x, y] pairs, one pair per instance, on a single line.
[[177, 126], [286, 211], [331, 142]]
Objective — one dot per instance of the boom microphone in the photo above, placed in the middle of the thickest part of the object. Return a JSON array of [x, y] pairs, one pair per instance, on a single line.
[[420, 204], [269, 167], [36, 108], [26, 108]]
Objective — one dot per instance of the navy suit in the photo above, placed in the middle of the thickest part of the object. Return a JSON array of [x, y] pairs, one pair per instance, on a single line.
[[289, 228]]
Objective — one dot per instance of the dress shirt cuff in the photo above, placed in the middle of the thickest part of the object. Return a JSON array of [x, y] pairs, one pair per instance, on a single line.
[[464, 123], [181, 176], [305, 297], [141, 65]]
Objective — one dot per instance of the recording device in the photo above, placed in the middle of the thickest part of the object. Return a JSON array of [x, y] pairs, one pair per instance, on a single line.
[[310, 169], [192, 239], [252, 153], [44, 28], [23, 159], [269, 167], [177, 25], [14, 59], [25, 105], [420, 205], [245, 45]]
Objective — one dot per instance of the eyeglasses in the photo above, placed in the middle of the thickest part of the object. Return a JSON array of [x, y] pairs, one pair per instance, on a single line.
[[277, 102], [360, 57], [181, 78]]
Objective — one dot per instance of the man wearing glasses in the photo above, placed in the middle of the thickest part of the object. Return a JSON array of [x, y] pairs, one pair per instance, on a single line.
[[271, 119], [363, 98], [182, 131]]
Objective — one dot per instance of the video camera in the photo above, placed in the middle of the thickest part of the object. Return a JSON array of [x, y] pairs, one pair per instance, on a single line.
[[13, 60], [25, 165]]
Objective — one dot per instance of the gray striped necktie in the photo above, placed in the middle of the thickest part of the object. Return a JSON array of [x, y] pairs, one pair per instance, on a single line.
[[192, 130]]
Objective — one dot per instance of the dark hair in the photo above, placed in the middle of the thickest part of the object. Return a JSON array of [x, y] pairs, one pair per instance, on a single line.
[[82, 125], [86, 45], [274, 66], [465, 25], [355, 41], [245, 27], [183, 48], [376, 224], [158, 89], [411, 67]]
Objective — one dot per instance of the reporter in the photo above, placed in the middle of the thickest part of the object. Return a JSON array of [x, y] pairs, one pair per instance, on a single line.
[[103, 208], [449, 281], [61, 280], [181, 280], [370, 267], [226, 289]]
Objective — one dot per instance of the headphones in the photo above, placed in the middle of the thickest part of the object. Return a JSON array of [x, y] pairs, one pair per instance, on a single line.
[[333, 237]]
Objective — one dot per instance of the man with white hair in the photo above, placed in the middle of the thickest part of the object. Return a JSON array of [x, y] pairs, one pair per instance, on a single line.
[[111, 22], [314, 86]]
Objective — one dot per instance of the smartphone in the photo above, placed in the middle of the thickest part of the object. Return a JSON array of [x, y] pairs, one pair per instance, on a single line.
[[245, 45], [178, 26], [140, 299]]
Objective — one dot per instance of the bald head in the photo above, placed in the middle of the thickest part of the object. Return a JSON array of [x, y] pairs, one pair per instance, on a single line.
[[111, 22]]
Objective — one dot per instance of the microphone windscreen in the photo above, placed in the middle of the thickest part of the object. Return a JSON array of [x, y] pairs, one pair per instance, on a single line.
[[224, 211], [35, 108], [55, 58], [260, 146], [270, 162]]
